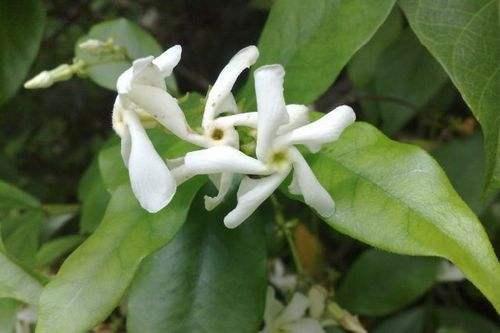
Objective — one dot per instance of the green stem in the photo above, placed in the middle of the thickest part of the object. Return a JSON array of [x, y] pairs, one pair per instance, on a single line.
[[285, 228]]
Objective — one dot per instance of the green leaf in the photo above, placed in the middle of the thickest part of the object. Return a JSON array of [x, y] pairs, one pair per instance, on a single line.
[[206, 270], [24, 241], [314, 40], [379, 283], [396, 197], [466, 321], [93, 279], [94, 197], [8, 314], [13, 198], [463, 36], [137, 43], [113, 171], [16, 283], [21, 26], [411, 321], [463, 162], [363, 64], [54, 249], [405, 79]]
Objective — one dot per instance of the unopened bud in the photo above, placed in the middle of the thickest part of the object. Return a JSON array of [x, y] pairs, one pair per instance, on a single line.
[[92, 45], [42, 80], [61, 73]]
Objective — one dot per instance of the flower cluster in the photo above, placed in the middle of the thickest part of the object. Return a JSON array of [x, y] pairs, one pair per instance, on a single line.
[[143, 100]]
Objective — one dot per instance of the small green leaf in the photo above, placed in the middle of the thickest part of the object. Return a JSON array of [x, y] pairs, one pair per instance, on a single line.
[[396, 197], [93, 279], [54, 249], [137, 43], [379, 283], [24, 241], [314, 40], [463, 35], [21, 24], [206, 270], [13, 198], [411, 321]]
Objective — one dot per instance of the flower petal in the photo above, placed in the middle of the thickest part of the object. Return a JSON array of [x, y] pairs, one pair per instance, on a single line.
[[162, 107], [224, 185], [117, 117], [270, 105], [167, 61], [251, 194], [304, 325], [326, 129], [220, 159], [225, 82], [305, 182], [151, 181], [248, 119], [295, 310], [273, 306], [317, 297], [298, 116], [142, 72]]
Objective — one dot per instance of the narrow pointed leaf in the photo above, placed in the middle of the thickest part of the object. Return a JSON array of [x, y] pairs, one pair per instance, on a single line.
[[21, 27]]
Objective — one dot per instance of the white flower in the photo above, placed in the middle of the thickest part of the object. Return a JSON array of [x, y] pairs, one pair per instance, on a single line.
[[278, 277], [278, 129], [142, 95], [220, 131], [289, 319]]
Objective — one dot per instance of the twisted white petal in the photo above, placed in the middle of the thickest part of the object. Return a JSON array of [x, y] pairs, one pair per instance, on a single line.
[[151, 181], [167, 61], [251, 194], [305, 183], [270, 105], [223, 184], [220, 159], [326, 129], [162, 107], [219, 93]]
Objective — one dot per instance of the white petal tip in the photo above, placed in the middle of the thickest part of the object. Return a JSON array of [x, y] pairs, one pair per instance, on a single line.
[[155, 205], [230, 222], [266, 71], [211, 203], [249, 53], [347, 112], [327, 213]]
